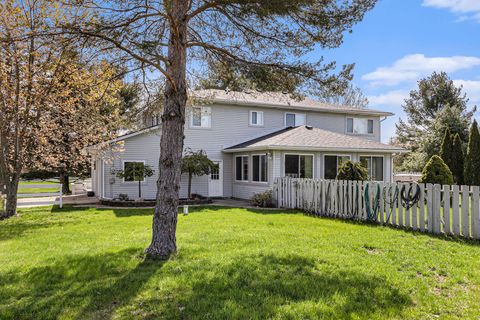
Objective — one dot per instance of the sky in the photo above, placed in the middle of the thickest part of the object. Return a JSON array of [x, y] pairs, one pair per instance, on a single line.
[[401, 41]]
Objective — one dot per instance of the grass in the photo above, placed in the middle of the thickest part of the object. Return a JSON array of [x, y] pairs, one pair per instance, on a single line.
[[26, 190], [231, 264]]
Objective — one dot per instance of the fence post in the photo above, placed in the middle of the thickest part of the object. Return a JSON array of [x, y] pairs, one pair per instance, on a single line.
[[61, 200]]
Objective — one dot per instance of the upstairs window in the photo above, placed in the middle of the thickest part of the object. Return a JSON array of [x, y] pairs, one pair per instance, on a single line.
[[374, 166], [359, 126], [295, 119], [201, 117], [260, 168], [256, 118], [332, 164], [241, 168]]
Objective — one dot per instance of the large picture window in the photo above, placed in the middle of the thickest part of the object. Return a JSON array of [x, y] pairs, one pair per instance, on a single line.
[[331, 165], [359, 126], [374, 166], [201, 117], [241, 168], [132, 170], [299, 166], [260, 168]]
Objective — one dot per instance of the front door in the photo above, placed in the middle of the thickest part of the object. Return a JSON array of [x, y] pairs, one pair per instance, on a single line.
[[215, 181]]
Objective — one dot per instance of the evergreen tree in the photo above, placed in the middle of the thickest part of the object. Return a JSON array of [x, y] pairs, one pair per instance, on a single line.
[[436, 171], [446, 149], [472, 162], [350, 170], [458, 160]]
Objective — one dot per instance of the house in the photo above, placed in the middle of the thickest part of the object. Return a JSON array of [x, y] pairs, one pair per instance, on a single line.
[[254, 137]]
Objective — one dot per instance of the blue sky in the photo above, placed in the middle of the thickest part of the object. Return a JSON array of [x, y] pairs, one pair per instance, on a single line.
[[401, 41]]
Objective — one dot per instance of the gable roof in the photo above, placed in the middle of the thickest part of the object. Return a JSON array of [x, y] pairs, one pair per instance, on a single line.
[[312, 139], [280, 100]]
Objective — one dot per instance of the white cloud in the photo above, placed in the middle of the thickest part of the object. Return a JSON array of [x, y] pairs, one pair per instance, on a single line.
[[457, 6], [388, 99], [415, 66], [471, 88]]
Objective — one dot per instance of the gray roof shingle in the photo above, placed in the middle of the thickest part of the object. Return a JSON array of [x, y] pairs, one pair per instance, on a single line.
[[309, 138]]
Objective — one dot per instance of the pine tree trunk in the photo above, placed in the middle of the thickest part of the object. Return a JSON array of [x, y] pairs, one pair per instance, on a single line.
[[11, 205], [65, 181], [171, 142]]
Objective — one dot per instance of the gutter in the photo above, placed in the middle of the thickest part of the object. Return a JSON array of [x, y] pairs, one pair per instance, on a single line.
[[291, 148]]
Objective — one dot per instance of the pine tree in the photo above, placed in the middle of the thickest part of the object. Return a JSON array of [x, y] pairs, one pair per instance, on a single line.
[[436, 171], [472, 162], [446, 149], [458, 160]]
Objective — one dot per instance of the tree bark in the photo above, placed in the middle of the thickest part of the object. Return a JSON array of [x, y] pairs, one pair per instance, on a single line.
[[11, 205], [65, 181], [171, 142], [139, 189]]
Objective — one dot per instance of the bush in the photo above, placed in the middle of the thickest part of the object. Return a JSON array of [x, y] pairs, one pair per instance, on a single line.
[[263, 200], [123, 197], [352, 171], [436, 171]]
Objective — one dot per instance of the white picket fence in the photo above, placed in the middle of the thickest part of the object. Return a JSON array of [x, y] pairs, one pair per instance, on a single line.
[[450, 210]]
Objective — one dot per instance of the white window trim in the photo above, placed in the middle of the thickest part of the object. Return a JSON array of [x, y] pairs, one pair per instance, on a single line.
[[250, 118], [266, 156], [123, 168], [249, 165], [299, 154], [192, 126], [359, 134], [375, 156], [295, 113], [336, 155]]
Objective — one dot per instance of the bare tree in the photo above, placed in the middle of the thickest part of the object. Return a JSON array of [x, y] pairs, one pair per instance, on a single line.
[[351, 97], [172, 37]]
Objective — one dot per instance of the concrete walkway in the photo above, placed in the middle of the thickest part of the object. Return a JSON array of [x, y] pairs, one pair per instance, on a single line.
[[81, 199]]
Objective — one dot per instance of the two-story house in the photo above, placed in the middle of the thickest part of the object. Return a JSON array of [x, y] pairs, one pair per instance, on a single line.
[[254, 137]]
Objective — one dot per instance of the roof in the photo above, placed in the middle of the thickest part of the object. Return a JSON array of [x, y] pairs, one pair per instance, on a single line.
[[280, 100], [312, 139]]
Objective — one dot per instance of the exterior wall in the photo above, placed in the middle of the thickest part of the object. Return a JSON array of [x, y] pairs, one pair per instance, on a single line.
[[229, 126]]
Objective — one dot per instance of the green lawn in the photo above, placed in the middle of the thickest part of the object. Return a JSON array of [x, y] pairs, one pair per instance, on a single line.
[[25, 184], [231, 264]]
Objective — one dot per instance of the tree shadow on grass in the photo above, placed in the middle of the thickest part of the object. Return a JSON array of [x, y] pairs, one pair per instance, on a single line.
[[292, 287], [83, 287]]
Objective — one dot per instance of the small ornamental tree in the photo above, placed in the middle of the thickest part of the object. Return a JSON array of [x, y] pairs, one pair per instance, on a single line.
[[472, 161], [136, 171], [458, 160], [446, 149], [436, 171], [196, 164], [352, 171]]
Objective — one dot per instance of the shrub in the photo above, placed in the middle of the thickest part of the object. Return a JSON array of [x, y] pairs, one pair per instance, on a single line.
[[263, 200], [123, 197], [436, 171], [472, 161], [352, 171]]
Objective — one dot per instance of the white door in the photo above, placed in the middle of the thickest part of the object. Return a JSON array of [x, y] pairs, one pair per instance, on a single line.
[[215, 181]]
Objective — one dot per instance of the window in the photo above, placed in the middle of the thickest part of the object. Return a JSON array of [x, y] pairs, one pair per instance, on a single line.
[[332, 164], [374, 166], [132, 170], [260, 168], [215, 173], [299, 166], [256, 118], [201, 117], [359, 126], [295, 119], [241, 168]]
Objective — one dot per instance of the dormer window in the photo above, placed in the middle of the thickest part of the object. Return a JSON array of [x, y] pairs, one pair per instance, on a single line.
[[201, 117], [256, 118], [295, 119], [359, 126]]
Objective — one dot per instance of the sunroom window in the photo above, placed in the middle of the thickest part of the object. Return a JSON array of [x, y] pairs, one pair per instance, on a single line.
[[374, 166], [260, 168], [331, 165], [299, 166]]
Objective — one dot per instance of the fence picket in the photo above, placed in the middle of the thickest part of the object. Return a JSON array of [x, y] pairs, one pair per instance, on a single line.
[[475, 212], [446, 210], [465, 211], [436, 209], [421, 206], [455, 210], [400, 207]]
